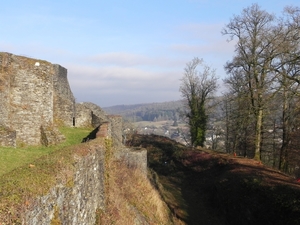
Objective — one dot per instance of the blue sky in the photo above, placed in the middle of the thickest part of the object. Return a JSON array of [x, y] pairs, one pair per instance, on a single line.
[[124, 52]]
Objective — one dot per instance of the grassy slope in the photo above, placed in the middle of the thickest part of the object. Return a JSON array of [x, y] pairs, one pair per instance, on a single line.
[[11, 158], [30, 171], [203, 187]]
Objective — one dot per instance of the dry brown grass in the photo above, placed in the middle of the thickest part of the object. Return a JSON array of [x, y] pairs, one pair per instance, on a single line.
[[131, 198]]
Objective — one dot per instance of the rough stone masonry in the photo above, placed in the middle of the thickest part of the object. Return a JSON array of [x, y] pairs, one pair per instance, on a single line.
[[35, 97], [33, 94]]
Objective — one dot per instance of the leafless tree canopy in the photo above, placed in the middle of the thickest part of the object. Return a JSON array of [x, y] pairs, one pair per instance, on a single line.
[[264, 72]]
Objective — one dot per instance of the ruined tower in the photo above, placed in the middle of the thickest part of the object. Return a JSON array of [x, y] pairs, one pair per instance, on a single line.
[[33, 95]]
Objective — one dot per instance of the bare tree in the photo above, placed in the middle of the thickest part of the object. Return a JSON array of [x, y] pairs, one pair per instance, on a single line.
[[254, 52], [196, 88], [267, 60], [240, 121]]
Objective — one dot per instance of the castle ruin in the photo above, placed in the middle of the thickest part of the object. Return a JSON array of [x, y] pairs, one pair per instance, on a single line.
[[35, 97]]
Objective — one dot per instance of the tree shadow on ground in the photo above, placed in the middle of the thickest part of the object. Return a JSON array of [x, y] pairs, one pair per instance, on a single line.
[[201, 187]]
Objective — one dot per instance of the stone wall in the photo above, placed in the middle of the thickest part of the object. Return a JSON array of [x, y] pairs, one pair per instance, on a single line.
[[7, 137], [32, 94], [134, 158], [64, 101], [29, 96], [98, 115], [4, 88], [104, 130], [117, 127], [83, 116], [76, 203], [35, 95], [90, 114], [110, 127]]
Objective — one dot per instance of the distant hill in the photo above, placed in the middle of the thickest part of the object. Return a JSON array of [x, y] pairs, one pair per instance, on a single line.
[[148, 111]]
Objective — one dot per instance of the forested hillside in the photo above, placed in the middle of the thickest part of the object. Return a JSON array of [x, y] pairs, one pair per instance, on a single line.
[[148, 111]]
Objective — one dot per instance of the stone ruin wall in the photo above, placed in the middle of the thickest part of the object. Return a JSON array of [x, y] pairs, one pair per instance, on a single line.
[[32, 94], [4, 88], [7, 137], [83, 117], [35, 93], [76, 203], [28, 96], [133, 157], [90, 114], [87, 112], [64, 101], [117, 127]]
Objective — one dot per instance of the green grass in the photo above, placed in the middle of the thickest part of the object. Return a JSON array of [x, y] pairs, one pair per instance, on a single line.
[[20, 183], [11, 158]]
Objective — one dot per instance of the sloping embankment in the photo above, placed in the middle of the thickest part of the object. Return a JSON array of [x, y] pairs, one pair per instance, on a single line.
[[205, 187]]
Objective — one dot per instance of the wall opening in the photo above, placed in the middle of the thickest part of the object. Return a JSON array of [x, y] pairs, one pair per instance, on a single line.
[[73, 121]]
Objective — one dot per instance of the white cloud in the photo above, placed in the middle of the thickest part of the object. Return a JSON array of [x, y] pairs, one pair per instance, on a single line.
[[123, 82], [119, 58], [127, 59]]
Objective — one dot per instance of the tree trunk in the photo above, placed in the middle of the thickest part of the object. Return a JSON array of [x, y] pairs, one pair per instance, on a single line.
[[281, 155], [285, 134], [258, 134]]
